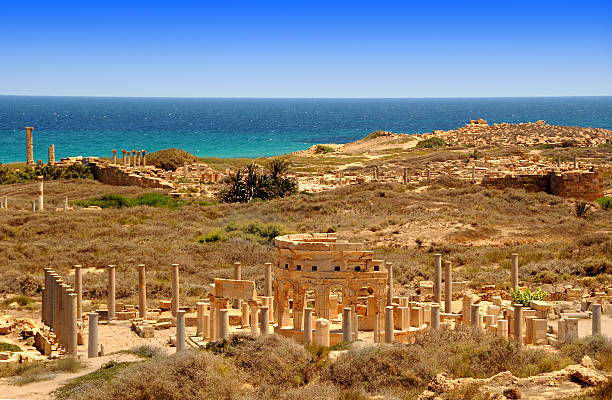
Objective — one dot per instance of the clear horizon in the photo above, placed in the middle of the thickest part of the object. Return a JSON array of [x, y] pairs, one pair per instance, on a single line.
[[442, 49]]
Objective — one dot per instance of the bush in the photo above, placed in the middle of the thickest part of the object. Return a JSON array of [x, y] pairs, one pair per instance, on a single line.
[[118, 201], [9, 347], [147, 351], [581, 209], [21, 300], [256, 231], [526, 296], [170, 159], [248, 183], [432, 142], [213, 236], [604, 202], [48, 172], [323, 149]]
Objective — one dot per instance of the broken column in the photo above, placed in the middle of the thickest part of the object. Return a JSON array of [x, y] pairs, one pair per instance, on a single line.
[[51, 152], [175, 289], [466, 309], [502, 328], [514, 272], [264, 320], [347, 328], [111, 293], [237, 276], [92, 339], [389, 324], [78, 289], [307, 325], [40, 194], [224, 324], [437, 281], [142, 292], [571, 332], [65, 203], [517, 319], [448, 287], [322, 332], [29, 146], [475, 319], [435, 317], [268, 279], [180, 330], [596, 322]]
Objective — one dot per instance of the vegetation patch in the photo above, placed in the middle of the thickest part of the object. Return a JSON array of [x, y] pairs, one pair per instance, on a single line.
[[213, 236], [170, 159], [432, 142], [250, 183], [119, 201], [604, 202], [10, 347], [102, 375], [526, 296], [323, 149], [48, 172], [23, 301], [256, 231], [24, 373]]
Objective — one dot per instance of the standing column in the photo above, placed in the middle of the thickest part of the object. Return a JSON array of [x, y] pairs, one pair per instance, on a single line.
[[389, 283], [33, 206], [428, 176], [114, 156], [212, 321], [59, 310], [435, 317], [78, 289], [518, 324], [389, 324], [175, 289], [307, 326], [224, 324], [185, 169], [559, 161], [40, 194], [448, 287], [111, 293], [475, 318], [144, 159], [268, 280], [5, 202], [66, 203], [200, 311], [437, 283], [133, 160], [51, 151], [347, 326], [596, 322], [71, 332], [245, 314], [92, 339], [46, 298], [264, 321], [124, 158], [237, 276], [254, 319], [29, 145], [514, 272], [180, 331], [405, 175], [142, 292]]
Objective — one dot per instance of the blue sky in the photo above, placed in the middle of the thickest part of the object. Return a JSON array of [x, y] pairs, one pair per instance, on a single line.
[[306, 49]]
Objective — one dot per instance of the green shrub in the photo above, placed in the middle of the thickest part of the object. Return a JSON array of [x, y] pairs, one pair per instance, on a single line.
[[147, 351], [21, 300], [48, 172], [431, 142], [118, 201], [249, 183], [581, 209], [256, 230], [526, 296], [323, 149], [604, 202], [9, 347], [213, 236], [170, 159]]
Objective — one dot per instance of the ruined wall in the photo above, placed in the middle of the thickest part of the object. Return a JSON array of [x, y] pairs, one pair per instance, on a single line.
[[583, 185], [116, 175]]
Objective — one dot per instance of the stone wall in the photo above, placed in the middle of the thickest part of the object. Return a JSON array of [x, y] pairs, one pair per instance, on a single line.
[[118, 176], [582, 185]]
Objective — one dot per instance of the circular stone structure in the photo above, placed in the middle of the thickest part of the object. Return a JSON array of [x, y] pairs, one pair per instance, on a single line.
[[320, 263]]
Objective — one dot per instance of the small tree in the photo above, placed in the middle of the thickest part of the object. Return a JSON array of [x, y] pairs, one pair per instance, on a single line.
[[526, 296]]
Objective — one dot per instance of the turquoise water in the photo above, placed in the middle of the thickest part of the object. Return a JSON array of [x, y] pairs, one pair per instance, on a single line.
[[91, 126]]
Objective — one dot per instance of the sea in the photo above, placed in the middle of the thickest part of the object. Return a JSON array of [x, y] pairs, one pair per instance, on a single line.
[[244, 127]]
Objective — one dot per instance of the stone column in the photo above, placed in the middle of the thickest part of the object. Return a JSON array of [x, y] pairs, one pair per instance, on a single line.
[[185, 169], [475, 319], [307, 325], [114, 156], [33, 206], [92, 339], [347, 328], [175, 289], [144, 158], [237, 276], [142, 292], [254, 318], [59, 310], [518, 324], [46, 302], [200, 311], [596, 322], [224, 324], [65, 203], [389, 283], [41, 206], [264, 321], [180, 331], [322, 332], [437, 281], [78, 289], [212, 321], [405, 176], [138, 159], [133, 160], [268, 280], [559, 161], [124, 158], [29, 146], [51, 152], [111, 293], [428, 176], [269, 302], [502, 328], [466, 309], [5, 202], [448, 287], [389, 324], [571, 332], [514, 272], [435, 317], [245, 314], [71, 332]]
